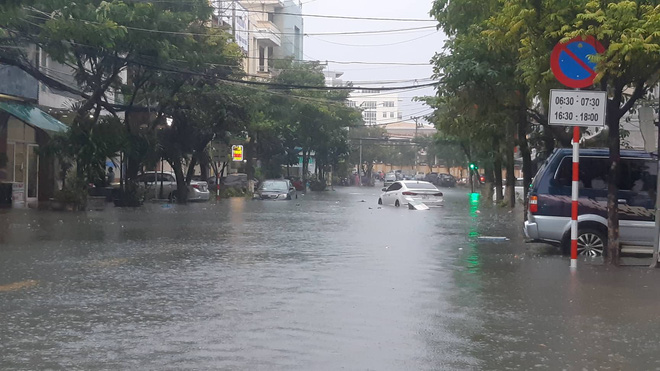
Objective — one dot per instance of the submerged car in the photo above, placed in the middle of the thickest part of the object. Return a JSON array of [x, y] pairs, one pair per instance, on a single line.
[[445, 180], [276, 189], [390, 178], [406, 191], [158, 184]]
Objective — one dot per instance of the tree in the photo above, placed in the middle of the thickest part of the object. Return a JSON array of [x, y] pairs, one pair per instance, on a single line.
[[368, 148], [316, 117], [628, 68]]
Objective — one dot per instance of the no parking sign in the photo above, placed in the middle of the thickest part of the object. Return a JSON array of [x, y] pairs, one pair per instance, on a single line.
[[570, 61]]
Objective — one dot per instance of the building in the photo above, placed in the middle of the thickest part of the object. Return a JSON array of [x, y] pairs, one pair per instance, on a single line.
[[233, 16], [408, 130], [275, 31], [30, 113], [332, 78], [378, 108], [26, 177]]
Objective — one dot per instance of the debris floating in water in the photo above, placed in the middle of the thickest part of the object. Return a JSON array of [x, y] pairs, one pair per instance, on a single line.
[[492, 238]]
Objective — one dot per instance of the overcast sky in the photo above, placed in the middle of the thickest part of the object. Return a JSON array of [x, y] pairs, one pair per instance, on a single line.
[[416, 46]]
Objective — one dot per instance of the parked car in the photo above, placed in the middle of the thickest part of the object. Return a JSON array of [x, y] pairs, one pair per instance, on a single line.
[[405, 191], [445, 180], [550, 201], [390, 178], [151, 181], [519, 189], [420, 175], [431, 177], [276, 189]]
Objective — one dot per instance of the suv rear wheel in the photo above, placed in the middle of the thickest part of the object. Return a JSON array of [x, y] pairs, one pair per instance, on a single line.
[[591, 242]]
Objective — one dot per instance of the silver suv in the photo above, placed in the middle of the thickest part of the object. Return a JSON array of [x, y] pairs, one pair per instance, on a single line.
[[550, 201]]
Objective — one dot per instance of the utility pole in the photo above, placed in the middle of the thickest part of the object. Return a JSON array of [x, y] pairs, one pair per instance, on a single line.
[[415, 118], [360, 166], [656, 240]]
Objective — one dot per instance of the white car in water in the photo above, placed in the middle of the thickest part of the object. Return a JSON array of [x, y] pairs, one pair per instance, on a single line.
[[151, 182], [403, 192]]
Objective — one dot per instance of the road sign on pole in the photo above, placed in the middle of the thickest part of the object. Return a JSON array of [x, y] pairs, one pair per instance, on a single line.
[[237, 152], [577, 107], [570, 62], [571, 65]]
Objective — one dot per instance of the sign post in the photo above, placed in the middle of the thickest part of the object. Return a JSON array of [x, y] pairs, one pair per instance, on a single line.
[[571, 65], [237, 152]]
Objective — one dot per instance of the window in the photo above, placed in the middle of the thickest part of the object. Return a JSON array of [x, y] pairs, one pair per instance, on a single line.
[[165, 178], [593, 172], [637, 175], [147, 178], [10, 162], [369, 116], [394, 187], [391, 114], [400, 115], [384, 114], [351, 103], [370, 91], [271, 17], [297, 40], [262, 60], [388, 104], [369, 105]]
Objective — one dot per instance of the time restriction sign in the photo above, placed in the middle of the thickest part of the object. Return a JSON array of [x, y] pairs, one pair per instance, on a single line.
[[577, 107]]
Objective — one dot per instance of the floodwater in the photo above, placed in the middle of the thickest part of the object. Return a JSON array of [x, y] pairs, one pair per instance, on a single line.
[[324, 282]]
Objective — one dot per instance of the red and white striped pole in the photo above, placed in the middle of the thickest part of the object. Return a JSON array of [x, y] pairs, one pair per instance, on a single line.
[[574, 195]]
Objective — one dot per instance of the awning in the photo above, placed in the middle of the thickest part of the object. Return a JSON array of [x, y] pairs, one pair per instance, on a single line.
[[33, 116]]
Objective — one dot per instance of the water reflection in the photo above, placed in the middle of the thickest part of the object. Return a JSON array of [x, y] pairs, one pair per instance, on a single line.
[[324, 282]]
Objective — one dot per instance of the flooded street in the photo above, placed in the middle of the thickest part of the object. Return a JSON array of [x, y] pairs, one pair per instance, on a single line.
[[324, 282]]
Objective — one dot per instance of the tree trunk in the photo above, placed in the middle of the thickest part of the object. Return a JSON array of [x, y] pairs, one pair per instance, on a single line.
[[249, 157], [523, 124], [612, 252], [490, 178], [497, 169], [510, 174], [305, 165], [181, 187]]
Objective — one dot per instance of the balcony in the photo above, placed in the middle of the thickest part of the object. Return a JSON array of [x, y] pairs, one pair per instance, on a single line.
[[267, 33]]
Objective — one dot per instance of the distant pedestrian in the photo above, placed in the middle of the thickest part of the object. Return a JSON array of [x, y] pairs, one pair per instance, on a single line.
[[111, 176]]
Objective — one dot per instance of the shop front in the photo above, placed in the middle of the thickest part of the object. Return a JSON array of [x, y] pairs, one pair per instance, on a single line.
[[24, 173]]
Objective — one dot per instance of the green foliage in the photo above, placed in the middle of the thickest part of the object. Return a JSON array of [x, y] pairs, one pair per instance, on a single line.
[[73, 193], [229, 192]]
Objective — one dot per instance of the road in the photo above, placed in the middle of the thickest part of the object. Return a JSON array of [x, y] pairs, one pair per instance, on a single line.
[[324, 282]]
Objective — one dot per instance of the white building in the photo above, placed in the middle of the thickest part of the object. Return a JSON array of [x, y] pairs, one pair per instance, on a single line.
[[275, 31], [232, 16], [332, 78], [378, 108]]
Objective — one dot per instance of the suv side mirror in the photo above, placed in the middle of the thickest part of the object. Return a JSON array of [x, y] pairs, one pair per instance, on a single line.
[[384, 189]]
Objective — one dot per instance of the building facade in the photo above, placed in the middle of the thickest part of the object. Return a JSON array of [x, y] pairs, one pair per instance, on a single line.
[[378, 107], [269, 30]]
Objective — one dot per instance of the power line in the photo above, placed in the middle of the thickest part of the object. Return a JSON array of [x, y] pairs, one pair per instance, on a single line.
[[344, 33], [375, 45], [315, 15]]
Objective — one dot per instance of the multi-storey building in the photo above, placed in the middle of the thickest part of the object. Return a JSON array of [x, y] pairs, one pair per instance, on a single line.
[[378, 107], [27, 107], [266, 30]]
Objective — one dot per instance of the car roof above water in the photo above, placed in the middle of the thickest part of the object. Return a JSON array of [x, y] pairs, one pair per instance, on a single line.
[[601, 152]]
